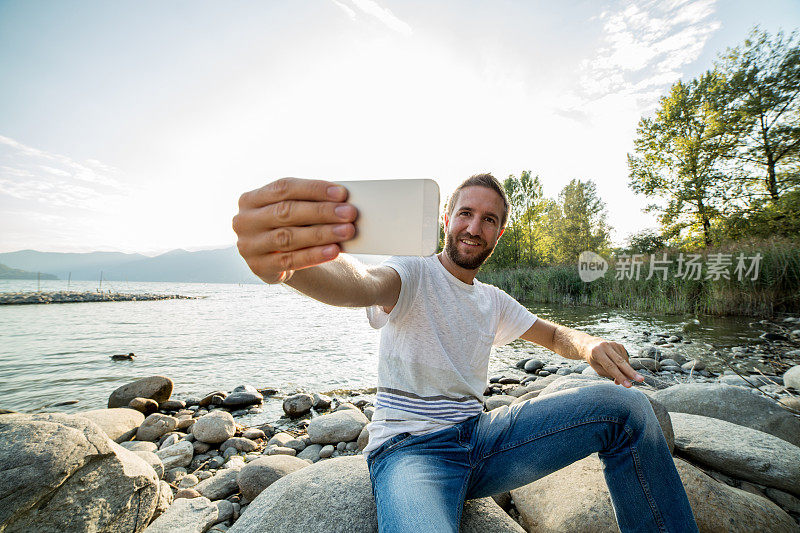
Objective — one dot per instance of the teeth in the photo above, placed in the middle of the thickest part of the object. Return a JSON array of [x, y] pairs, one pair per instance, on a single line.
[[471, 243]]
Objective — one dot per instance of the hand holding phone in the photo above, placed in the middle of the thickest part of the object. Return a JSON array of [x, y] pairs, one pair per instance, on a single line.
[[291, 224]]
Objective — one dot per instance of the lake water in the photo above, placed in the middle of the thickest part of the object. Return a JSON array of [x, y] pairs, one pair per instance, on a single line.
[[267, 336]]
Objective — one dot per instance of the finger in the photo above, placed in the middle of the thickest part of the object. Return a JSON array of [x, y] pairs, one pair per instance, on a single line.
[[613, 371], [620, 357], [298, 213], [305, 258], [296, 238], [293, 189]]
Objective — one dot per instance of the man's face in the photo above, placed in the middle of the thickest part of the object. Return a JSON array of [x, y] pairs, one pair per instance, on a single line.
[[473, 227]]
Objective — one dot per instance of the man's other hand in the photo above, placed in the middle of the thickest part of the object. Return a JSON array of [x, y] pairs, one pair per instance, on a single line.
[[610, 359], [292, 224]]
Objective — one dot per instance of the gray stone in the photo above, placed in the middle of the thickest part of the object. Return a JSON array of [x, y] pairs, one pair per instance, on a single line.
[[240, 444], [155, 426], [172, 405], [320, 402], [153, 460], [346, 405], [292, 503], [280, 450], [140, 445], [186, 515], [498, 400], [179, 454], [62, 473], [224, 510], [145, 406], [243, 396], [563, 371], [791, 378], [264, 471], [168, 440], [326, 451], [215, 427], [311, 452], [738, 451], [786, 501], [716, 507], [297, 404], [165, 498], [188, 481], [114, 422], [158, 388], [221, 485], [732, 404], [340, 425], [532, 365], [363, 439], [693, 365], [296, 444], [648, 363], [253, 434]]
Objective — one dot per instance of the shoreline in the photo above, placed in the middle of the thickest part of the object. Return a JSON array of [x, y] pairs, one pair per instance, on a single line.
[[63, 297], [203, 457]]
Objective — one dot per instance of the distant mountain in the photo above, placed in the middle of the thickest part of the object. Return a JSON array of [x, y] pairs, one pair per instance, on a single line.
[[223, 265], [15, 273]]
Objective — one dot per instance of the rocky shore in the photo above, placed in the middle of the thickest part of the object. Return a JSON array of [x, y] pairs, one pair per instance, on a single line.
[[153, 462], [65, 297]]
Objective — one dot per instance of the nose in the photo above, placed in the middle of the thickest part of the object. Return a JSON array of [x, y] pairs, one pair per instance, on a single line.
[[474, 227]]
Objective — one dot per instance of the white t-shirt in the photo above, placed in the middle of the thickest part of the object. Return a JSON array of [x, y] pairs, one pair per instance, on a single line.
[[434, 350]]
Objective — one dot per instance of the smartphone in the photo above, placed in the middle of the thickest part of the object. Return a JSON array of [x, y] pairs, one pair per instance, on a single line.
[[395, 217]]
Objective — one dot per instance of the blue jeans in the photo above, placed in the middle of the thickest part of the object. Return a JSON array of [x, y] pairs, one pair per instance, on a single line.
[[420, 482]]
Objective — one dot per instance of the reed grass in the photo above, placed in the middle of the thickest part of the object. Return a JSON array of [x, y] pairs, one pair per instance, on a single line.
[[776, 289]]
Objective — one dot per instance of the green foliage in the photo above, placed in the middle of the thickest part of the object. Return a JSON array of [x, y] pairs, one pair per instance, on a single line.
[[763, 82], [722, 153], [776, 289], [541, 231]]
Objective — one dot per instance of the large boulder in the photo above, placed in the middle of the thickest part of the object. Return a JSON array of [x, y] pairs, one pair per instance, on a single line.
[[214, 427], [158, 388], [578, 380], [264, 471], [732, 404], [344, 425], [716, 507], [292, 503], [115, 422], [186, 515], [62, 473], [738, 451]]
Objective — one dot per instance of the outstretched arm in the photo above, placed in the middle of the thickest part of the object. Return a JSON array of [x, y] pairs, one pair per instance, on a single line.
[[608, 358], [290, 230]]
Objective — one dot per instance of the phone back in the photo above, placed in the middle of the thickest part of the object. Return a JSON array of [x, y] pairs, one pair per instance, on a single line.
[[395, 217]]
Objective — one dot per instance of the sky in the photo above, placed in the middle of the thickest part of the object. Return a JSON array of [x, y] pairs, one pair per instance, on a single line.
[[135, 126]]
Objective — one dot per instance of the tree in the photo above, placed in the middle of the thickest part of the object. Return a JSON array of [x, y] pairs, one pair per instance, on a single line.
[[764, 85], [678, 154], [579, 221]]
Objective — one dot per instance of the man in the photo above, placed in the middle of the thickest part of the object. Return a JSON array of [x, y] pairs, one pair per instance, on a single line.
[[431, 445]]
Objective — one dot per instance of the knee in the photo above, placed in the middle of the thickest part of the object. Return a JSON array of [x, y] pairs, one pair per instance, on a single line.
[[630, 404]]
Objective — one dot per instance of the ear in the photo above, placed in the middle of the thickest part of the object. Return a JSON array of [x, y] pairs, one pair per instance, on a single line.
[[446, 221], [501, 232]]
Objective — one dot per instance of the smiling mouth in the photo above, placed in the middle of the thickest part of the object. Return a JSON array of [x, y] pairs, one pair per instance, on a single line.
[[469, 242]]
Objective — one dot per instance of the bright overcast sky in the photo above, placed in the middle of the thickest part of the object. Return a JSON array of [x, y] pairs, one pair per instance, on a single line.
[[135, 126]]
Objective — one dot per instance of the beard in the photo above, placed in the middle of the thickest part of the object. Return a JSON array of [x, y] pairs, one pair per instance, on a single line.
[[464, 261]]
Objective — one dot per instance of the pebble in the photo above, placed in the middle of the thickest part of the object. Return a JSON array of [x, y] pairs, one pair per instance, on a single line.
[[326, 451], [298, 404]]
